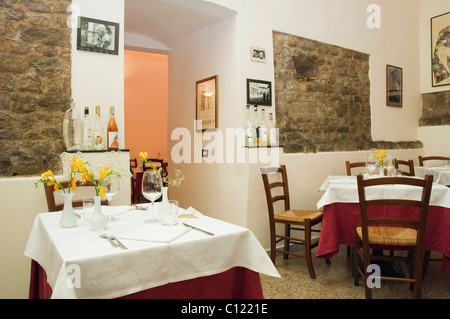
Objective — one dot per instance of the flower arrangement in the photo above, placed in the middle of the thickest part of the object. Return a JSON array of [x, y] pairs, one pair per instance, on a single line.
[[76, 168], [381, 157], [79, 171], [176, 181]]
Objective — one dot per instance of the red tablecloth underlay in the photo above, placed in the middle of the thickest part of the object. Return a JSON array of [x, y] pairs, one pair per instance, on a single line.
[[340, 221], [236, 283]]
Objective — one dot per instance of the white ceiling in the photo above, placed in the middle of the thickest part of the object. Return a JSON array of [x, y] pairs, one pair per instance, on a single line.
[[170, 21]]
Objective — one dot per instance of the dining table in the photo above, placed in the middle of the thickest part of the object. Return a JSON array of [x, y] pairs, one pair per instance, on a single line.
[[199, 257], [441, 174], [341, 214]]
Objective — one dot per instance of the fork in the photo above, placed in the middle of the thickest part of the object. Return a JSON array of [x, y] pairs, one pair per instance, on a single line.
[[103, 235], [118, 241]]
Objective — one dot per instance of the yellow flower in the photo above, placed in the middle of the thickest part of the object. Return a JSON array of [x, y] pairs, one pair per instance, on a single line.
[[56, 187], [102, 192], [102, 174]]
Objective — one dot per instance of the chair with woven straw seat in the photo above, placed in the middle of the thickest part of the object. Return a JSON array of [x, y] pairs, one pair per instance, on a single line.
[[408, 163], [423, 159], [391, 231], [302, 220]]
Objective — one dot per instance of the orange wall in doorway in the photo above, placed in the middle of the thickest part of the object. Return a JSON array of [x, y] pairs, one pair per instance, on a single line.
[[146, 104]]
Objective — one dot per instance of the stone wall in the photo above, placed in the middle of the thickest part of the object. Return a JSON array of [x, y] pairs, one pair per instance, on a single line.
[[322, 95], [435, 109], [35, 84]]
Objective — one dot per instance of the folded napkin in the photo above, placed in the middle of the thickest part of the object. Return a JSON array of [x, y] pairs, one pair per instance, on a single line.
[[153, 232], [190, 213]]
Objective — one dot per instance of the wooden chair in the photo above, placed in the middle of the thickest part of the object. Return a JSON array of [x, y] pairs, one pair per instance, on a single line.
[[432, 158], [349, 165], [304, 218], [408, 163], [392, 232], [133, 166], [54, 206], [156, 162]]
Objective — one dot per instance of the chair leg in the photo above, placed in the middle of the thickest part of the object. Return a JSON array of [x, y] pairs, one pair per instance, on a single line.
[[308, 256], [287, 233]]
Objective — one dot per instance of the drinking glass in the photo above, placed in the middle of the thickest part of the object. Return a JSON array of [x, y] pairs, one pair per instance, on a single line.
[[151, 189], [389, 163], [371, 162], [111, 185], [169, 212]]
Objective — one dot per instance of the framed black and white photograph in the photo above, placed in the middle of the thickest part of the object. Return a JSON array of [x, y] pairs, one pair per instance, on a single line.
[[440, 50], [98, 36], [394, 86], [259, 92], [258, 54]]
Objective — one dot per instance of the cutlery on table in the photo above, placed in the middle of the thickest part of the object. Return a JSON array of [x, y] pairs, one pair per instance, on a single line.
[[118, 241], [104, 236], [204, 231]]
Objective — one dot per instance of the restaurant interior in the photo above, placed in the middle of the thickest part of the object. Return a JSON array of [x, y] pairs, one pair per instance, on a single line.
[[328, 65]]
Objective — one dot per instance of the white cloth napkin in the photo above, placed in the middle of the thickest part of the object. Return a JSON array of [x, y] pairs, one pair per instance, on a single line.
[[154, 233]]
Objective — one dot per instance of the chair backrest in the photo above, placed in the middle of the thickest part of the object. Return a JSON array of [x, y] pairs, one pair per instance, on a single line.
[[54, 206], [280, 182], [349, 165], [155, 162], [421, 204], [432, 158], [133, 164], [409, 163]]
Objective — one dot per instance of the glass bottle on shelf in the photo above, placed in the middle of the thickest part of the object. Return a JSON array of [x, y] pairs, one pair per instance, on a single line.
[[248, 127], [98, 132], [263, 129], [273, 136], [113, 132], [72, 128], [256, 125], [87, 130]]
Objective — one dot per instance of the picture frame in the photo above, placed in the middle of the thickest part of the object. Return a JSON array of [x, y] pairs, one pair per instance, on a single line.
[[99, 36], [207, 103], [440, 50], [258, 54], [394, 86], [259, 92]]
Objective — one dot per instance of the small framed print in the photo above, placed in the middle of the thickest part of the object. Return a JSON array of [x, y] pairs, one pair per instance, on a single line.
[[440, 50], [259, 92], [98, 36], [207, 103], [394, 86], [258, 54]]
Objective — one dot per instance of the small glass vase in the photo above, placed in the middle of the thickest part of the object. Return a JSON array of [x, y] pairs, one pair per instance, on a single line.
[[165, 194], [68, 218], [381, 168], [98, 221]]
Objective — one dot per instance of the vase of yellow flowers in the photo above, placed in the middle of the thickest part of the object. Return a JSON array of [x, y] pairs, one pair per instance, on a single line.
[[68, 218], [98, 220], [381, 161]]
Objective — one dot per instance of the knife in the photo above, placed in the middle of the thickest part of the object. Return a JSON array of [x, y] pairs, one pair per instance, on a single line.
[[206, 232]]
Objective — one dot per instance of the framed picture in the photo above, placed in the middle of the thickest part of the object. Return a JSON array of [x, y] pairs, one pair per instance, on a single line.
[[207, 102], [394, 86], [258, 54], [440, 50], [259, 92], [98, 36]]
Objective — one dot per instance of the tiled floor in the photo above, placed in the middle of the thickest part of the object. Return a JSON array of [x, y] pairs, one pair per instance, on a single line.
[[335, 281]]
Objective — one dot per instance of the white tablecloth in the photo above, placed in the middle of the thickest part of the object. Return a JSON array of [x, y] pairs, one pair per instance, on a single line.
[[345, 190], [441, 174], [108, 272]]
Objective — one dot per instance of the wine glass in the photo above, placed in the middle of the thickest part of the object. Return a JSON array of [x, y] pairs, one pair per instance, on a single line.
[[111, 185], [371, 162], [151, 189], [389, 163]]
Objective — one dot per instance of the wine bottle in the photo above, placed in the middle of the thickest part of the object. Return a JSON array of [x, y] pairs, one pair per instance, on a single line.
[[113, 132], [273, 136], [263, 129], [87, 130], [72, 128], [256, 126], [248, 127], [99, 133]]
